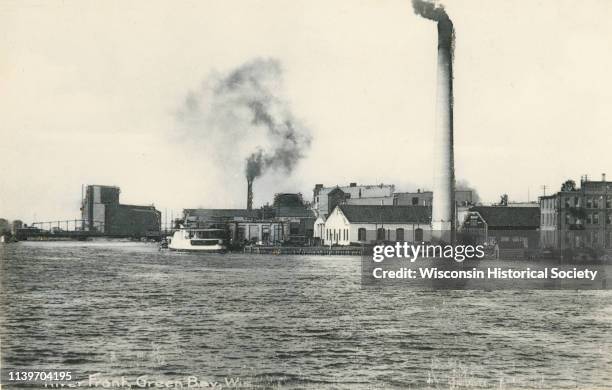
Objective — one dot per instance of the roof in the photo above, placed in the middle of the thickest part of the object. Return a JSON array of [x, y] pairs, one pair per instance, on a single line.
[[131, 206], [509, 217], [386, 214], [204, 214]]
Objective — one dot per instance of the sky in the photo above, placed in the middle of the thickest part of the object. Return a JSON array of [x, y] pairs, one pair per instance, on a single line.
[[91, 93]]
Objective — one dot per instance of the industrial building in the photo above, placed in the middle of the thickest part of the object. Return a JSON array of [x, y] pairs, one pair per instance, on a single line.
[[102, 212], [578, 217], [358, 224], [322, 205], [506, 227], [425, 198], [287, 220], [5, 226]]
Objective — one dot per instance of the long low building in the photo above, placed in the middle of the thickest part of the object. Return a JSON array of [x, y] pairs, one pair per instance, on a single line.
[[513, 227], [365, 224], [288, 220]]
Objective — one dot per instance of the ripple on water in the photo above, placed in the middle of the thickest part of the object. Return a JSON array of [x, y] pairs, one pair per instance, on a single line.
[[292, 322]]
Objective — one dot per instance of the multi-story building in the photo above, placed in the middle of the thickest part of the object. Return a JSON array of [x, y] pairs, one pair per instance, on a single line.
[[425, 198], [5, 226], [577, 217], [326, 198], [102, 212]]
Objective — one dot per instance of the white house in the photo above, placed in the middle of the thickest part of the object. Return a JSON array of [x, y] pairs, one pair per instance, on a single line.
[[319, 226], [359, 224]]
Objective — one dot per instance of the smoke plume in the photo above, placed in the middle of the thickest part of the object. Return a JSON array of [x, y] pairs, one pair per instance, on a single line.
[[243, 112], [437, 13], [464, 185]]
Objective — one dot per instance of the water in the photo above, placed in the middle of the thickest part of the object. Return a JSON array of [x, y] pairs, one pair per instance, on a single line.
[[126, 309]]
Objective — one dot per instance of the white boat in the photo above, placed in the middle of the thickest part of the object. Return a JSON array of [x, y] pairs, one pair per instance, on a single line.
[[198, 240]]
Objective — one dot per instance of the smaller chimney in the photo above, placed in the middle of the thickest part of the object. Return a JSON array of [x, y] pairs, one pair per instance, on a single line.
[[249, 194], [603, 177], [352, 184]]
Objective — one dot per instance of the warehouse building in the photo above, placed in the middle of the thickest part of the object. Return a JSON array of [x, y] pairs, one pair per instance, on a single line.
[[102, 212], [359, 224]]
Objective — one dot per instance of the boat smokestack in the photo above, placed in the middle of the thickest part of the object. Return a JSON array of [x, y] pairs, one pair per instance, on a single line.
[[443, 207], [249, 205]]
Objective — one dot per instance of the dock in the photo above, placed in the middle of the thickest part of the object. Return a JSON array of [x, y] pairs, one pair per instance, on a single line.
[[304, 250]]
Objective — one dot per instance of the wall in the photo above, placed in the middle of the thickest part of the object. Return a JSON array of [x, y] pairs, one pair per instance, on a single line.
[[320, 200], [374, 201], [343, 232], [136, 221]]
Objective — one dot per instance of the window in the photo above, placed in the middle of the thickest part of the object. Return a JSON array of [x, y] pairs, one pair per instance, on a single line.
[[595, 202], [609, 202], [380, 234], [361, 234], [415, 201], [418, 234], [596, 218], [589, 203], [399, 234], [609, 219]]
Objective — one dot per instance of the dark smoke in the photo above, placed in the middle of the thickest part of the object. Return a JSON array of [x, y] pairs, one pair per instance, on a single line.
[[430, 10], [464, 185], [254, 165], [232, 109], [437, 13]]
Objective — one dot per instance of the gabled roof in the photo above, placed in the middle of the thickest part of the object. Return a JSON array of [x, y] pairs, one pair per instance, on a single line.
[[509, 217], [386, 214]]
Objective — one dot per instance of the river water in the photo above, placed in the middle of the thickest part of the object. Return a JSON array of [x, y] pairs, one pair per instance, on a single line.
[[127, 310]]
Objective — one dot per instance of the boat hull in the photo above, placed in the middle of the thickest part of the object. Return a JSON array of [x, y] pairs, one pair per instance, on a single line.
[[197, 240], [221, 249]]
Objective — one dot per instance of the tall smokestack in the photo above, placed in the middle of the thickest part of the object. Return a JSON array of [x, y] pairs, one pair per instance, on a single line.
[[443, 208], [249, 205]]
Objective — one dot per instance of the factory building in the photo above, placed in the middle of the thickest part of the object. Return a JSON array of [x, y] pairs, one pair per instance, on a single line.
[[578, 217], [5, 226], [357, 224], [102, 212], [326, 198], [506, 227], [373, 201], [425, 198], [288, 219]]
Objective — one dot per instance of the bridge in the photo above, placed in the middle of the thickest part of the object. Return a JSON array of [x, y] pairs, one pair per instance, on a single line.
[[75, 229]]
